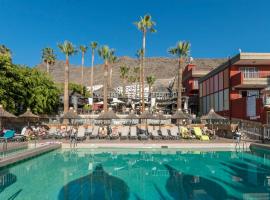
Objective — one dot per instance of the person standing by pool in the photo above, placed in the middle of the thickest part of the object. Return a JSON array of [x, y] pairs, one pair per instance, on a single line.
[[73, 137]]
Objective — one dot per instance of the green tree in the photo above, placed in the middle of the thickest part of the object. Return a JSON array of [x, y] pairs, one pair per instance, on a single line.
[[150, 81], [22, 87], [68, 49], [145, 25], [93, 46], [181, 51], [83, 50], [124, 70], [48, 57], [105, 53]]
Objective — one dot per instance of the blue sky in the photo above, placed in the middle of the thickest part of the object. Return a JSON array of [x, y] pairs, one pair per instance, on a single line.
[[215, 28]]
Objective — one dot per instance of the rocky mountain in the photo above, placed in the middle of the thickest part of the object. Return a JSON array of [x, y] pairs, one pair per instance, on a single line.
[[162, 68]]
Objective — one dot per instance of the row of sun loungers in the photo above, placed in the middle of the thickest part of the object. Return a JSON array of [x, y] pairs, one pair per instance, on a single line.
[[121, 132], [132, 132]]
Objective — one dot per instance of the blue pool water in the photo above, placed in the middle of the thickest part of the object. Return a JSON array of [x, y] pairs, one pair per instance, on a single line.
[[127, 174]]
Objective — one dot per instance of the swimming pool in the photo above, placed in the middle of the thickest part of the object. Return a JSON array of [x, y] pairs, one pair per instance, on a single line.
[[142, 174]]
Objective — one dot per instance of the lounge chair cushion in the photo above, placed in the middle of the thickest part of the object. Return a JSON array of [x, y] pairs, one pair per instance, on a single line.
[[204, 138]]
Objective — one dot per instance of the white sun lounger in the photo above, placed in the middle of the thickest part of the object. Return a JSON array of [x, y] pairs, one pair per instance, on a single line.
[[174, 131], [133, 132], [81, 133], [94, 132], [143, 133], [164, 133], [124, 132], [114, 134], [153, 132]]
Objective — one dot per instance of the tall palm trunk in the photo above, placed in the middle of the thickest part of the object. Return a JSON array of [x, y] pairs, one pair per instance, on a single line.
[[105, 87], [82, 75], [142, 71], [48, 67], [110, 77], [92, 74], [179, 96], [66, 96]]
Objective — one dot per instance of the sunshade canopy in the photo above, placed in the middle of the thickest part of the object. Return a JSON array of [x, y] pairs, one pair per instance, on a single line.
[[28, 114], [212, 115], [180, 115], [5, 114], [107, 115], [117, 101], [71, 114]]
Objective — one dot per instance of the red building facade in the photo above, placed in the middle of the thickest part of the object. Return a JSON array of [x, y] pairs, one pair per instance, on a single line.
[[234, 89], [193, 71]]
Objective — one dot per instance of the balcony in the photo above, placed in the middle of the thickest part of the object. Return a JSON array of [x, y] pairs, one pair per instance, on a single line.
[[251, 80]]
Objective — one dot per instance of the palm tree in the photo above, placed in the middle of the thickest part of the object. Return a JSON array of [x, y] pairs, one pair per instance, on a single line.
[[83, 50], [181, 51], [49, 57], [68, 49], [105, 53], [150, 81], [112, 59], [93, 46], [5, 51], [124, 70], [144, 25]]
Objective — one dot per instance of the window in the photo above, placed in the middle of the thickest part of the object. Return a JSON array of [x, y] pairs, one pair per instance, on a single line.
[[250, 93], [220, 101], [216, 101], [220, 77], [212, 101], [216, 83], [249, 72], [204, 105], [226, 78], [201, 89], [208, 103], [226, 99]]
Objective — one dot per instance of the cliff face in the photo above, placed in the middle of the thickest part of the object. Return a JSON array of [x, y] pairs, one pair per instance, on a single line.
[[162, 68]]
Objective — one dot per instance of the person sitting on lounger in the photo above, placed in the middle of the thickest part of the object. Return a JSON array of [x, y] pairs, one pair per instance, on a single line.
[[2, 132]]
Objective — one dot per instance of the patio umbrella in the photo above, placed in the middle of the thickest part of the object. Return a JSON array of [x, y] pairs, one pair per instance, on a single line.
[[160, 116], [117, 101], [28, 115], [4, 115], [179, 115], [132, 116], [107, 116], [212, 115], [71, 115], [147, 115]]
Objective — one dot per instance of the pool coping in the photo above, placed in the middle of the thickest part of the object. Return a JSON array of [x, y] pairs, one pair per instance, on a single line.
[[190, 146], [28, 154]]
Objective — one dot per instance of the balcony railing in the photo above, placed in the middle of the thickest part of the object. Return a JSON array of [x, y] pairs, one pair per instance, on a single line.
[[251, 75]]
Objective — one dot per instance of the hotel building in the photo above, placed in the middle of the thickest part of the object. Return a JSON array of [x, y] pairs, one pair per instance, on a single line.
[[236, 88]]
